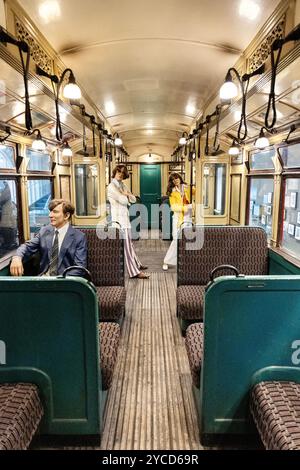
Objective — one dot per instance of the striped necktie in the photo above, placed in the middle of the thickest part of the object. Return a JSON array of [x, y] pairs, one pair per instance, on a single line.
[[54, 256]]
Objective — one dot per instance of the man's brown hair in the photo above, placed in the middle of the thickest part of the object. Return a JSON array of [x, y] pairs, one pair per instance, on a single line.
[[67, 207], [122, 169]]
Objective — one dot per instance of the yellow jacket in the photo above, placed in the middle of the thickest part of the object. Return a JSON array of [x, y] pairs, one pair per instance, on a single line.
[[177, 205]]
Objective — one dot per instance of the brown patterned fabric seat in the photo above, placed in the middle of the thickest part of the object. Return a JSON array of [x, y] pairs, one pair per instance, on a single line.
[[194, 349], [245, 248], [112, 301], [275, 407], [109, 338], [190, 302], [106, 265], [20, 414]]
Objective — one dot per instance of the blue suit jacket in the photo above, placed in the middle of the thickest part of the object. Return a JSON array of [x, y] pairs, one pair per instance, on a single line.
[[73, 250]]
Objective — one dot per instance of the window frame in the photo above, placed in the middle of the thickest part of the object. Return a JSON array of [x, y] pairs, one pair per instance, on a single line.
[[39, 172], [34, 177], [257, 176], [10, 170], [20, 225], [285, 176]]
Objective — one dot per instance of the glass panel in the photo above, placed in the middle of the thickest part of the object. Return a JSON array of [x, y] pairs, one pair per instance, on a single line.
[[214, 188], [9, 237], [39, 196], [290, 156], [291, 217], [38, 161], [7, 160], [86, 185], [262, 160], [261, 203]]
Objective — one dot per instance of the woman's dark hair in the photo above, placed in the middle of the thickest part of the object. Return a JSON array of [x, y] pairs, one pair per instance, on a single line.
[[171, 184], [67, 207], [122, 169]]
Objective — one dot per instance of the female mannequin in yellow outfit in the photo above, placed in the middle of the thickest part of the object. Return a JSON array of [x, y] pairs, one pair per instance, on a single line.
[[181, 206]]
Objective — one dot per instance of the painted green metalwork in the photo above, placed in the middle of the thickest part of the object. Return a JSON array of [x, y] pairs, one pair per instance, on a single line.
[[252, 324], [49, 336], [150, 189], [279, 265]]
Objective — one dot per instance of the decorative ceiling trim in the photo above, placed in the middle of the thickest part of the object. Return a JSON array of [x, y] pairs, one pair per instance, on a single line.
[[260, 56], [38, 54], [221, 47]]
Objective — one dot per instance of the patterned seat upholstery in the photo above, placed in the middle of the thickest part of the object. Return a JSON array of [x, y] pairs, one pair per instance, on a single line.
[[190, 302], [245, 248], [20, 414], [194, 348], [275, 407], [109, 338], [112, 301], [106, 265]]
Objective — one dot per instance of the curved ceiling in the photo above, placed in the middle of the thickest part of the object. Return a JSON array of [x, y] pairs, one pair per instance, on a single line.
[[148, 66]]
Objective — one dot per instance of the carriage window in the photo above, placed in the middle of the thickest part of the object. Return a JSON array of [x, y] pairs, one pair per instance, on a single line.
[[261, 203], [262, 160], [86, 183], [290, 156], [214, 188], [38, 161], [9, 237], [290, 239], [7, 157], [39, 196]]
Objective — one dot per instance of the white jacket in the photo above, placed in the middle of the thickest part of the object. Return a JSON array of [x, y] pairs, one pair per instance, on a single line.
[[119, 203]]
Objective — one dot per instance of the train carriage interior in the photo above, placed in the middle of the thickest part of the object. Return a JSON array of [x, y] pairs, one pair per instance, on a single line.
[[177, 326]]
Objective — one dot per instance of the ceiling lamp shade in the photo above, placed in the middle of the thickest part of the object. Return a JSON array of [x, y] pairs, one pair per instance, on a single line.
[[38, 144], [67, 151], [234, 149], [262, 142], [183, 139], [72, 91], [118, 141], [228, 90]]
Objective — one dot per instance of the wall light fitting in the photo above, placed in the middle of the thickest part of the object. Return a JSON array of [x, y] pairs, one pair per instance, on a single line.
[[39, 143]]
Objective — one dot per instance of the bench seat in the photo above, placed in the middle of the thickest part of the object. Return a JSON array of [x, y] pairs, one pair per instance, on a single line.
[[275, 407], [20, 414], [109, 337], [194, 348], [190, 302], [112, 301]]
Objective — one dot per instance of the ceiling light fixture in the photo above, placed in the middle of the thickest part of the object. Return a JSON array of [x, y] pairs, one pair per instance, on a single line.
[[39, 143], [71, 91], [249, 9], [234, 149], [183, 139], [190, 109], [262, 142], [49, 11], [110, 107], [229, 90], [66, 150], [118, 141]]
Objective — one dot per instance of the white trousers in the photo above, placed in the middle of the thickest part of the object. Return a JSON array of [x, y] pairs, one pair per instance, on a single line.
[[171, 256]]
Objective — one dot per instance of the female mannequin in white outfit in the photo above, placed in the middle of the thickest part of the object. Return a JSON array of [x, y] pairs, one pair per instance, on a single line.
[[119, 197], [181, 206]]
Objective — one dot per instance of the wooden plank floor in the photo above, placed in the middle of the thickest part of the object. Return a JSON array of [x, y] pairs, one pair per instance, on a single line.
[[150, 403]]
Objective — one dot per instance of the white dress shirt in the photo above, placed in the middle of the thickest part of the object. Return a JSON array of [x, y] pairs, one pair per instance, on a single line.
[[61, 235]]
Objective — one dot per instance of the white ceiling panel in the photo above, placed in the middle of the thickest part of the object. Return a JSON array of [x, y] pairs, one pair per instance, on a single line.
[[148, 64]]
